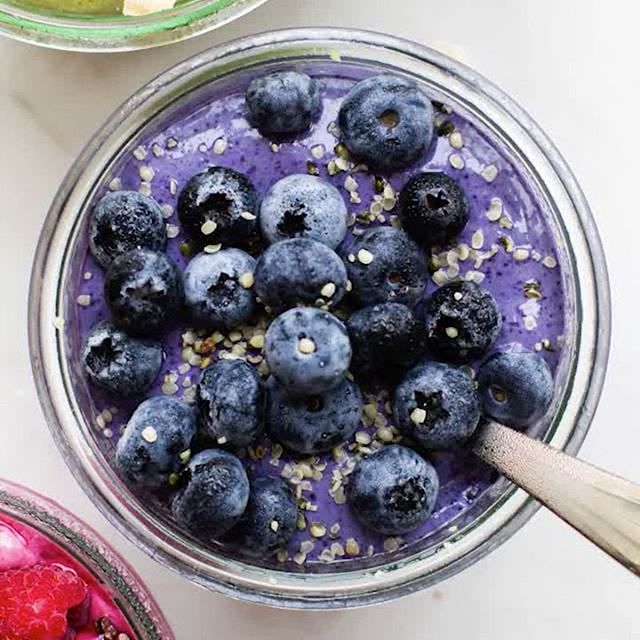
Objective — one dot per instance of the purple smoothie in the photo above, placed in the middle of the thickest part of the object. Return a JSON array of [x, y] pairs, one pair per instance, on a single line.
[[507, 247]]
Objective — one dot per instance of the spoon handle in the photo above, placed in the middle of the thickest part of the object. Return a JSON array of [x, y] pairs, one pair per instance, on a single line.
[[603, 507]]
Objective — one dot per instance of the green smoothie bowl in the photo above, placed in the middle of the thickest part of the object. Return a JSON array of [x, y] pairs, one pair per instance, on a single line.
[[115, 25]]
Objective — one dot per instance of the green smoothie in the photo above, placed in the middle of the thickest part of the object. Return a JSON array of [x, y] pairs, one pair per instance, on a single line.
[[93, 7], [100, 7]]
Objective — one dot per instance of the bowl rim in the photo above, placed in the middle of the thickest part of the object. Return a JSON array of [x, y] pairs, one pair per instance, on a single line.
[[99, 34], [514, 507], [54, 521]]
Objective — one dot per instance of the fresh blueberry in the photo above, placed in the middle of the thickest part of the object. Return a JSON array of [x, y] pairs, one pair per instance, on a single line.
[[386, 122], [304, 206], [231, 400], [269, 520], [300, 271], [219, 205], [218, 288], [118, 363], [307, 350], [462, 321], [433, 208], [283, 103], [516, 387], [437, 405], [122, 221], [385, 265], [215, 496], [393, 491], [385, 338], [314, 423], [155, 444], [143, 290]]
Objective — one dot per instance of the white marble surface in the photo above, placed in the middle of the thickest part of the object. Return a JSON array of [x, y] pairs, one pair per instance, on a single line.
[[575, 65]]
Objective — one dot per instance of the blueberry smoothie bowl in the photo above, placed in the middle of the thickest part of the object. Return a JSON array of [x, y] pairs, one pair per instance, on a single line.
[[277, 295], [58, 579]]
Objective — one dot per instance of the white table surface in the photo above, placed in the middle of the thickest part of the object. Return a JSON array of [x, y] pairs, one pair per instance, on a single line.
[[575, 65]]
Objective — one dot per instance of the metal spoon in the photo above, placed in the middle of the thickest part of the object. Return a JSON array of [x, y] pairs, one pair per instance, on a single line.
[[603, 507]]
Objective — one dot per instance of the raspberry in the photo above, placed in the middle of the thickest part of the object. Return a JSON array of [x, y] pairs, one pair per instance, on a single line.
[[34, 602]]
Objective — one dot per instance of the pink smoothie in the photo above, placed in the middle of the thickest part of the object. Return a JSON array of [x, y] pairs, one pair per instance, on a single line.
[[22, 546]]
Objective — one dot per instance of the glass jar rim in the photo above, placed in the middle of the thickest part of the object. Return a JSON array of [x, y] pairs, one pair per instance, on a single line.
[[508, 513], [71, 32]]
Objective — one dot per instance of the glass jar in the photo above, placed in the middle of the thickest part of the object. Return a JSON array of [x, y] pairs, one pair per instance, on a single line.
[[497, 513], [80, 32], [109, 571]]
